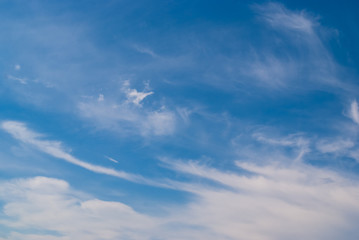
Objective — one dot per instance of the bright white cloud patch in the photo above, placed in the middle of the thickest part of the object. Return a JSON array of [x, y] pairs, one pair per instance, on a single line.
[[275, 202], [50, 204], [137, 97]]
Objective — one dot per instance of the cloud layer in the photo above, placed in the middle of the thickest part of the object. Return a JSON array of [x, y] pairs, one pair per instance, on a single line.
[[273, 202]]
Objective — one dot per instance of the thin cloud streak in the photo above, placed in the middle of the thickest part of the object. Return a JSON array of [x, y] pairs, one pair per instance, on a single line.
[[20, 132], [111, 159], [20, 80]]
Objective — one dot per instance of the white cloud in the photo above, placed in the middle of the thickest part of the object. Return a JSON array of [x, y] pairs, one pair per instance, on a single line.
[[301, 57], [126, 118], [273, 202], [20, 80], [270, 70], [100, 98], [353, 112], [54, 148], [280, 17], [125, 113], [277, 202], [334, 146], [17, 67], [159, 123], [134, 96], [137, 97], [145, 50], [50, 204], [107, 114], [291, 140], [184, 113], [295, 141], [111, 159]]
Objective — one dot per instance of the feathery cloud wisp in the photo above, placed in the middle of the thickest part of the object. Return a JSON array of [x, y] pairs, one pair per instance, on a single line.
[[279, 16], [334, 146], [20, 132], [354, 112], [20, 80]]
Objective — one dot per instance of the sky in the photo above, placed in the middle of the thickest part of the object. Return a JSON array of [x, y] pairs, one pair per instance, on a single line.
[[179, 120]]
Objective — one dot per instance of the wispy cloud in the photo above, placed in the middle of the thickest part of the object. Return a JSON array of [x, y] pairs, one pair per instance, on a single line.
[[126, 119], [159, 123], [270, 70], [303, 55], [54, 148], [260, 187], [263, 205], [20, 80], [128, 114], [295, 141], [280, 17], [354, 112], [145, 50], [273, 202], [334, 145]]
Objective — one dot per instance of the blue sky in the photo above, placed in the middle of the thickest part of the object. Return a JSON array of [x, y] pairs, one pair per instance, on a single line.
[[179, 120]]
